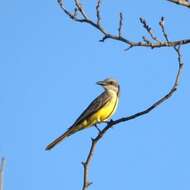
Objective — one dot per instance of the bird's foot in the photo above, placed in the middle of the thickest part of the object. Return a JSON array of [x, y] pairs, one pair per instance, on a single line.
[[108, 122]]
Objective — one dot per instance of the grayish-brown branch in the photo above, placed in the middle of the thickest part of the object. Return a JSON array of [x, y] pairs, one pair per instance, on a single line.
[[153, 42], [120, 24], [83, 18], [112, 123], [2, 164], [149, 30], [98, 12], [161, 23], [184, 3], [86, 182]]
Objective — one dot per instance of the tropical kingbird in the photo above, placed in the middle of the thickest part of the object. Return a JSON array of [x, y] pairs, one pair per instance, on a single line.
[[100, 110]]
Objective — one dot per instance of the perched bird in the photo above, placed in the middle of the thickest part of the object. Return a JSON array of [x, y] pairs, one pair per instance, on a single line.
[[100, 110]]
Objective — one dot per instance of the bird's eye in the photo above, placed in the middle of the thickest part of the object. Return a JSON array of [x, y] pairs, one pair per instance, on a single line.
[[111, 82]]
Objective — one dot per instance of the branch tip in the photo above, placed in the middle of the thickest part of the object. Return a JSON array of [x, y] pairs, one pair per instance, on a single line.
[[120, 24], [98, 12]]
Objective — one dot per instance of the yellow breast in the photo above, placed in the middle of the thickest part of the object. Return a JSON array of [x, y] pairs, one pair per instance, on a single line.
[[106, 111], [103, 114]]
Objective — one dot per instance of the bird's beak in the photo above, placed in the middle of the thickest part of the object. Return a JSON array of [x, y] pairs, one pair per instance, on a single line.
[[102, 83]]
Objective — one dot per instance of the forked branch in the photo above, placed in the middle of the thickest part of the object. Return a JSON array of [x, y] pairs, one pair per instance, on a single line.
[[79, 15], [83, 18], [112, 123]]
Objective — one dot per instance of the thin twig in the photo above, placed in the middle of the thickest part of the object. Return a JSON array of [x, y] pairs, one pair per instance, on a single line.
[[80, 8], [98, 12], [120, 24], [147, 41], [161, 23], [149, 29], [106, 35]]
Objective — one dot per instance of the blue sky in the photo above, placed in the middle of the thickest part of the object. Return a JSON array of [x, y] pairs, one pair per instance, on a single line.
[[48, 69]]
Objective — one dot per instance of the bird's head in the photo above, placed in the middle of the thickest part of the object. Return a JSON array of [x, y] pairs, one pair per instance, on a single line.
[[109, 84]]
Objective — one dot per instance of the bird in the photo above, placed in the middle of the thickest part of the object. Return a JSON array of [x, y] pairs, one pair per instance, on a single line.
[[99, 110]]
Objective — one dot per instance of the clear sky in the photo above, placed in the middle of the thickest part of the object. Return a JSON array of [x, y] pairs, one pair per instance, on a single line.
[[48, 69]]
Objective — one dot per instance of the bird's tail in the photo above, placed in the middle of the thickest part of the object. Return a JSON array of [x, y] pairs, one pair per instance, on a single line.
[[69, 132]]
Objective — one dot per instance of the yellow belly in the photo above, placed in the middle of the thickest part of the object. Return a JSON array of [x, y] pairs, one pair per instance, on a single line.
[[107, 111], [103, 114]]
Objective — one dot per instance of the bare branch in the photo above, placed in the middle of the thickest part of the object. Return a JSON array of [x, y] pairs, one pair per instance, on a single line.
[[154, 42], [161, 100], [161, 23], [98, 12], [2, 165], [112, 123], [119, 37], [147, 41], [86, 182], [184, 3], [149, 29], [80, 8], [120, 24]]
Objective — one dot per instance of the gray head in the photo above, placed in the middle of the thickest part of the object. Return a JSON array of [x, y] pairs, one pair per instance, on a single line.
[[109, 84]]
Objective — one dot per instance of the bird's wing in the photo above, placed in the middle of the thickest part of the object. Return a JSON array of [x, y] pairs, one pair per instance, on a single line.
[[98, 103]]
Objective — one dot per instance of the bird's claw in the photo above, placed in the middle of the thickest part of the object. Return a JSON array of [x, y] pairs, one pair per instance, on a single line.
[[108, 122]]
